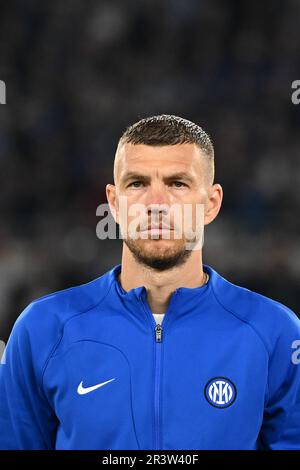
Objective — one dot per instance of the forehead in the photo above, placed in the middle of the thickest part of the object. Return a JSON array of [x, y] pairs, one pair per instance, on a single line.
[[145, 158]]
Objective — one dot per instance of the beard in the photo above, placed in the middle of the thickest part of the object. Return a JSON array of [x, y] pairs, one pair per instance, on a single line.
[[159, 258]]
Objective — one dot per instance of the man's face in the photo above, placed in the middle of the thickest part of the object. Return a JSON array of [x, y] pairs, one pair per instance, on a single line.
[[167, 183]]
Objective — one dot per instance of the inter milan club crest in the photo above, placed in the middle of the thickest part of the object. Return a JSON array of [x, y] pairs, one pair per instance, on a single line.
[[220, 392]]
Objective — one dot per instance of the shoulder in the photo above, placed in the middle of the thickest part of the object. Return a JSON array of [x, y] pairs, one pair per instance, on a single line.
[[40, 326], [61, 305], [270, 319]]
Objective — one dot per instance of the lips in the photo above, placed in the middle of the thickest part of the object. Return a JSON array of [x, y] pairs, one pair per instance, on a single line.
[[160, 226], [157, 227], [153, 227]]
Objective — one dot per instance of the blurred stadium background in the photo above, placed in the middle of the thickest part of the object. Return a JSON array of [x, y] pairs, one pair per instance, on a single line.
[[78, 72]]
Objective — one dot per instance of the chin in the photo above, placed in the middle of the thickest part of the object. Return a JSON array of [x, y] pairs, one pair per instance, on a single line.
[[161, 248], [161, 242]]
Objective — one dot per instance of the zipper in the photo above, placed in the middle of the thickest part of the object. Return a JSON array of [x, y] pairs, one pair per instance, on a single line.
[[158, 333], [158, 339]]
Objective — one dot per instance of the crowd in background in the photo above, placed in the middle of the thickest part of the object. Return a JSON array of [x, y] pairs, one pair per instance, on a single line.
[[77, 73]]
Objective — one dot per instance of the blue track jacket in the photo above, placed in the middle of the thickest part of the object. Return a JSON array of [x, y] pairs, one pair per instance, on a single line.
[[88, 368]]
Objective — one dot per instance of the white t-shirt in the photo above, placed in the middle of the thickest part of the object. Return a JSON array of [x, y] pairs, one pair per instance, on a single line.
[[158, 317]]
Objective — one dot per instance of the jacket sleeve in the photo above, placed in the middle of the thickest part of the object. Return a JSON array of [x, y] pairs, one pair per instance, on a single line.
[[27, 421], [281, 424]]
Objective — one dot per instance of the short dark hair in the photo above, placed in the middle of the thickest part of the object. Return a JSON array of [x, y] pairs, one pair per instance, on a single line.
[[167, 129]]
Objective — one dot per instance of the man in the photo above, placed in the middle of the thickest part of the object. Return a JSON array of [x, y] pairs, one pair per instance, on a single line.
[[160, 352]]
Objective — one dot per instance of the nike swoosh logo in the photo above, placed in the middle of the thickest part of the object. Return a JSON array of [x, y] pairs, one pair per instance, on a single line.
[[81, 390]]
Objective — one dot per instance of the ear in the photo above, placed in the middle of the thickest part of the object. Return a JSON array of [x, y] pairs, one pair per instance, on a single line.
[[112, 201], [213, 206]]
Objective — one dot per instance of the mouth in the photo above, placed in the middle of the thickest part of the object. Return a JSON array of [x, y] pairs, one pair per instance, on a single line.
[[158, 228], [157, 231]]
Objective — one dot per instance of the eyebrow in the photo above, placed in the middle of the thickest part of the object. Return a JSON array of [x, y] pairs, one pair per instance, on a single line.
[[131, 175]]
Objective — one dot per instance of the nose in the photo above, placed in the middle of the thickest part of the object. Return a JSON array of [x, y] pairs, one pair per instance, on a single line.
[[157, 201], [157, 194], [157, 210]]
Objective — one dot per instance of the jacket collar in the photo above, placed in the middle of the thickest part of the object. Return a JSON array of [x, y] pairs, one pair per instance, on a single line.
[[141, 292]]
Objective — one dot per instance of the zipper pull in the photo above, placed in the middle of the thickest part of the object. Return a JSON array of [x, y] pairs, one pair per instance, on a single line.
[[158, 333]]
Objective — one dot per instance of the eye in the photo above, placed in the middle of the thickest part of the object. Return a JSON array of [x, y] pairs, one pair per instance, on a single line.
[[135, 184], [179, 184]]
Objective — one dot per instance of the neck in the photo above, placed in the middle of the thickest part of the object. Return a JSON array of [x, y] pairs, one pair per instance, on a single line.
[[161, 284]]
